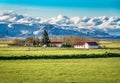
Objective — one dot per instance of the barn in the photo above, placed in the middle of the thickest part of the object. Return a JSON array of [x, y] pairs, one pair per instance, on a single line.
[[86, 45], [57, 44]]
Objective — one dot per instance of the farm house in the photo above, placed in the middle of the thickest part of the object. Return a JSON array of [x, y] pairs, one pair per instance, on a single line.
[[86, 45], [57, 44]]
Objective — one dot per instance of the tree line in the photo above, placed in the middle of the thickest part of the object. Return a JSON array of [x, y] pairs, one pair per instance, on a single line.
[[45, 40], [33, 41]]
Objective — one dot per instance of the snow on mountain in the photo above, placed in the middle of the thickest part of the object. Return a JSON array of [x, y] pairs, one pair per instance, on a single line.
[[76, 20], [10, 25], [10, 16], [60, 20], [17, 25]]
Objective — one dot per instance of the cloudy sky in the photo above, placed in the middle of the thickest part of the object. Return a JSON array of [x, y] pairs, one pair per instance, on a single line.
[[52, 8]]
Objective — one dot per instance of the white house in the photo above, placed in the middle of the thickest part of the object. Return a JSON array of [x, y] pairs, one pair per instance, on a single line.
[[86, 45], [57, 44]]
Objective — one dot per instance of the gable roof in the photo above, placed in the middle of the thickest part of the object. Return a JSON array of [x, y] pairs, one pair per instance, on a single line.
[[57, 42], [92, 43], [89, 43], [80, 43]]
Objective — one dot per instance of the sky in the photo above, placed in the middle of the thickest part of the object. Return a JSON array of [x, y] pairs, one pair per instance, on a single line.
[[52, 8]]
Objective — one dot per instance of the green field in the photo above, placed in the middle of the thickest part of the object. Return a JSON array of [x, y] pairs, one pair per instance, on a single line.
[[80, 70], [98, 70], [111, 47], [38, 51], [110, 44]]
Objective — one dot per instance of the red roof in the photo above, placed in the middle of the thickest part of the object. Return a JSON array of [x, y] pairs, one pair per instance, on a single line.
[[80, 43], [92, 43], [89, 43], [56, 42]]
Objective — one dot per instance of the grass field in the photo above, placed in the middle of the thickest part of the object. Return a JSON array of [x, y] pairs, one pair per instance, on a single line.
[[38, 51], [88, 70], [98, 70], [112, 47], [110, 44]]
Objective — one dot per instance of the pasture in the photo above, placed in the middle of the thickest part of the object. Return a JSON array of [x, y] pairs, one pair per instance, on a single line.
[[110, 44], [98, 70], [80, 70], [39, 51]]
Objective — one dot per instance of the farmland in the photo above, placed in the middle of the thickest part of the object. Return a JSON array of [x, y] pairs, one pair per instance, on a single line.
[[99, 70], [18, 51], [111, 47], [110, 44], [71, 70]]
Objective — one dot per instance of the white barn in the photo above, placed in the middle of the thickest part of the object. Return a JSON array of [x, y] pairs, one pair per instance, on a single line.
[[86, 45], [57, 44]]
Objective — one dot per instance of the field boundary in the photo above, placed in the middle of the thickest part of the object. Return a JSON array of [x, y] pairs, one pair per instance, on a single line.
[[77, 56]]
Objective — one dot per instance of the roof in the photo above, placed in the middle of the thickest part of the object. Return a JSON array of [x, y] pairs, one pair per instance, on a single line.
[[89, 43], [92, 43], [80, 43], [57, 42]]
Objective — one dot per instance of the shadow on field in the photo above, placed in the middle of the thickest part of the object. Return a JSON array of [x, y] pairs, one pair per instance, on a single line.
[[105, 55]]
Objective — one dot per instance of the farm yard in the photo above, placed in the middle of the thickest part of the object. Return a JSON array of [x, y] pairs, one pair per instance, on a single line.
[[7, 51], [110, 47], [71, 70]]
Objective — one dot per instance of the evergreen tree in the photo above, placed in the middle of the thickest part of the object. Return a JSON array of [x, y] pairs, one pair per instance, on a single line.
[[45, 38]]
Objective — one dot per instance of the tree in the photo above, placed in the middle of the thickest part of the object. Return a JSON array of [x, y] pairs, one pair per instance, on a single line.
[[45, 38], [32, 41], [18, 42], [29, 41], [36, 41]]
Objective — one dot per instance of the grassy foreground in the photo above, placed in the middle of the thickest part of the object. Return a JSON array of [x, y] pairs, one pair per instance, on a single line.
[[98, 70]]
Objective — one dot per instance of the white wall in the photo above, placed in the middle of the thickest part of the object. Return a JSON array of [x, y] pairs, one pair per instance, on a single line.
[[78, 46], [93, 46], [58, 45], [86, 46]]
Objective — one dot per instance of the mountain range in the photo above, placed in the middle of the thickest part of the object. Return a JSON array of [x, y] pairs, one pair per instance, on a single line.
[[14, 25]]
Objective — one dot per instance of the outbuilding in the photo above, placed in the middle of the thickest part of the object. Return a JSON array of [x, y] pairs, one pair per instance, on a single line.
[[57, 44], [86, 45]]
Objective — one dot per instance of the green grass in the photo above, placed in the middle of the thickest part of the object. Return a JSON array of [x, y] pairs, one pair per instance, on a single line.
[[110, 44], [98, 70], [112, 47], [38, 51]]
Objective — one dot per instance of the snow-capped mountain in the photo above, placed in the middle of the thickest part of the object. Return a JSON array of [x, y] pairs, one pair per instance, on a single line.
[[17, 25]]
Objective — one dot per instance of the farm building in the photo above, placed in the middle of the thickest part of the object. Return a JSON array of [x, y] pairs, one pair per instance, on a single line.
[[86, 45], [57, 44]]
